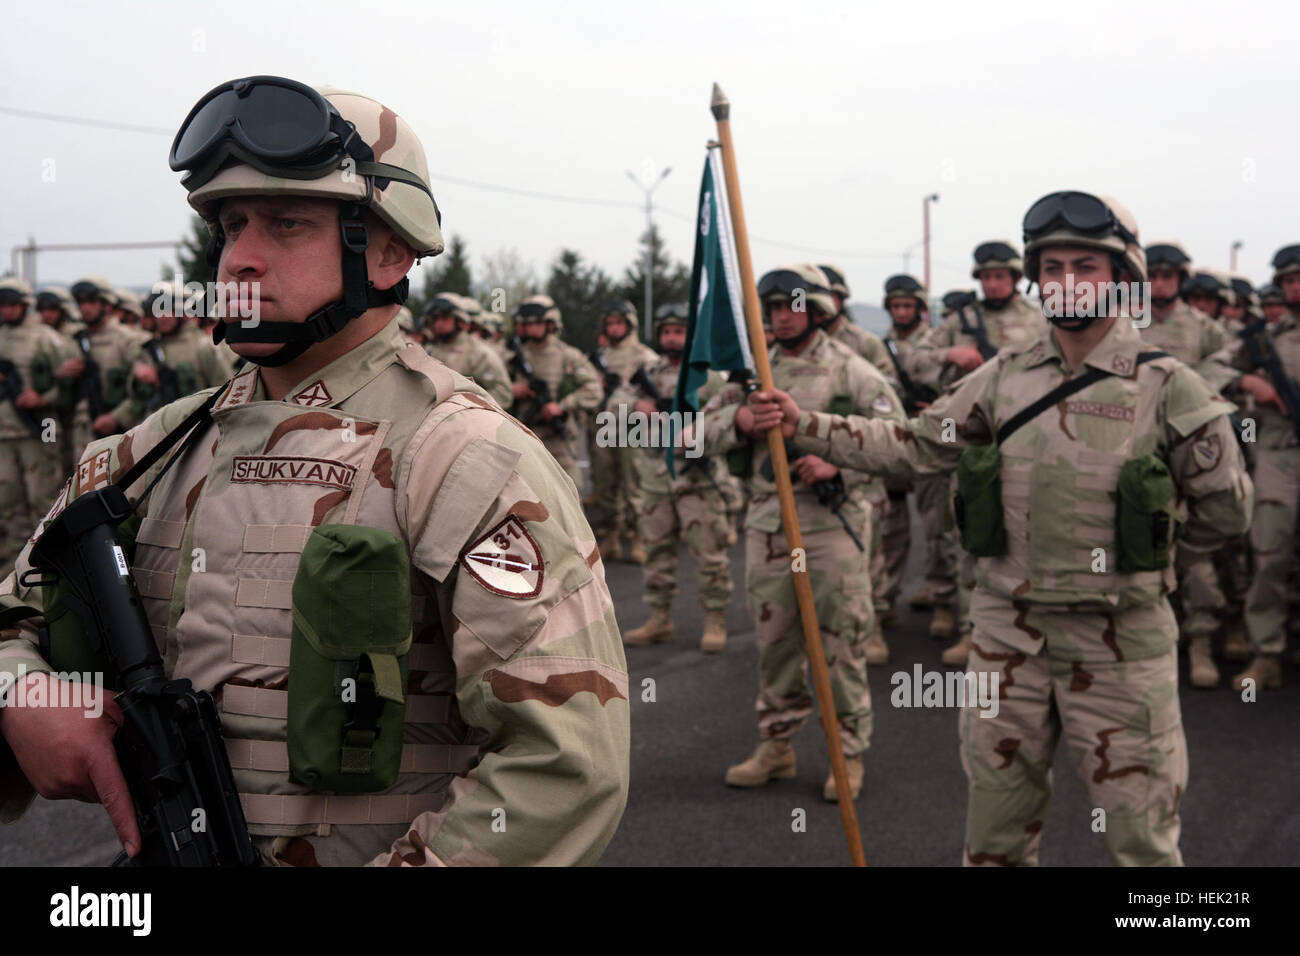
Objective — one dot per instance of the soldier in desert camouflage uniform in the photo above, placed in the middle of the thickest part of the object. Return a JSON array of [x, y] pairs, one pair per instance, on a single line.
[[826, 377], [573, 383], [58, 310], [1277, 478], [1071, 617], [1197, 341], [515, 710], [1208, 291], [614, 470], [689, 507], [115, 349], [30, 468], [452, 343], [129, 310], [842, 328]]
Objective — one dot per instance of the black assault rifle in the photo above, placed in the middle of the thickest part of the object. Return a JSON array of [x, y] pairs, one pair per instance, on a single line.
[[10, 389], [529, 408], [1263, 354], [959, 303]]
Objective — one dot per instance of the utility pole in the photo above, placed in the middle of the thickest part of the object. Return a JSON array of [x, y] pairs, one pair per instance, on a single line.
[[23, 258], [925, 213], [648, 318], [1232, 258]]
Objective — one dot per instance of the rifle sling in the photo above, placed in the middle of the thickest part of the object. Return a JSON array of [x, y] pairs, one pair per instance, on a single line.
[[1062, 391]]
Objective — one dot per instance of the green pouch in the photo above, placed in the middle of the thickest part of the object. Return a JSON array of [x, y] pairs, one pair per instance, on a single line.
[[568, 385], [187, 379], [42, 374], [978, 503], [740, 460], [348, 659], [1144, 518], [115, 381], [841, 405]]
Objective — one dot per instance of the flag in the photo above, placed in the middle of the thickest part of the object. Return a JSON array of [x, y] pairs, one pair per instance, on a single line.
[[716, 334]]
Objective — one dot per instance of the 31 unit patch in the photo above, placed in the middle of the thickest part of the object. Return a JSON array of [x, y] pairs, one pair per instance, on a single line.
[[506, 560]]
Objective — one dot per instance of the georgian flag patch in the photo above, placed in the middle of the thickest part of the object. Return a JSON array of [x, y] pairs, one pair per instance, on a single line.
[[506, 560]]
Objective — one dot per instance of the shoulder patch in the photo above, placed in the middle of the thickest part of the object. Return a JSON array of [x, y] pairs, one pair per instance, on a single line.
[[1206, 451], [882, 405], [506, 560]]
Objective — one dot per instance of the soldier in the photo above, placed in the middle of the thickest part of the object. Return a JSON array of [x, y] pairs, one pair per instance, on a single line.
[[842, 328], [614, 469], [565, 374], [1196, 340], [406, 322], [30, 467], [690, 507], [129, 309], [1277, 476], [826, 377], [58, 310], [1071, 614], [1244, 306], [452, 344], [1208, 291], [104, 404], [1271, 303], [516, 702]]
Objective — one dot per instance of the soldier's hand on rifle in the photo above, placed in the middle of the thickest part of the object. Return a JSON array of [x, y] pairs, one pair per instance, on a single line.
[[105, 424], [146, 373], [29, 398], [965, 358], [646, 406], [550, 410], [71, 368], [1264, 392], [67, 754], [812, 469], [522, 390]]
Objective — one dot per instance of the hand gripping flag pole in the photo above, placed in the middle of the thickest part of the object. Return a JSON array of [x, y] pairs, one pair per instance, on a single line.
[[781, 470]]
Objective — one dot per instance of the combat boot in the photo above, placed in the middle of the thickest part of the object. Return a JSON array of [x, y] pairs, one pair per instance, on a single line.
[[922, 599], [877, 649], [942, 624], [714, 640], [771, 760], [853, 765], [657, 630], [1236, 648], [888, 617], [958, 654], [1265, 670], [610, 550], [1203, 671], [636, 552]]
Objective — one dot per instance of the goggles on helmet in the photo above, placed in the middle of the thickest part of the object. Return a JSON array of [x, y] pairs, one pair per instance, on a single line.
[[1163, 254], [902, 284], [994, 252], [1081, 212], [11, 297], [671, 311], [787, 282], [48, 300], [531, 312], [1288, 256], [1202, 283], [86, 292]]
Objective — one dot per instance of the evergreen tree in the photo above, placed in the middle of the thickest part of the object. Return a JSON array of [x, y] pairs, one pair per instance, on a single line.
[[580, 292], [191, 261], [669, 282], [448, 272]]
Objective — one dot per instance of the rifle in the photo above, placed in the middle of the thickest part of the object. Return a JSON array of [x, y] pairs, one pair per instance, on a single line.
[[643, 381], [830, 491], [91, 388], [541, 391], [10, 389], [1263, 354], [959, 304], [911, 391], [169, 385], [611, 379], [170, 745]]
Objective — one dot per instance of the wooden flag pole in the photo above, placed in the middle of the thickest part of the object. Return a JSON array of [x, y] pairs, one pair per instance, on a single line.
[[785, 490]]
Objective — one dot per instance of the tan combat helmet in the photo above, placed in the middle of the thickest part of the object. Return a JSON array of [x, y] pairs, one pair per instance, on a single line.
[[1270, 294], [904, 286], [836, 277], [474, 311], [94, 287], [1246, 294], [57, 297], [128, 301], [1286, 260], [14, 291], [621, 307], [997, 254], [494, 322], [1209, 282], [405, 320], [785, 283], [543, 306], [1081, 219], [674, 313], [1169, 252]]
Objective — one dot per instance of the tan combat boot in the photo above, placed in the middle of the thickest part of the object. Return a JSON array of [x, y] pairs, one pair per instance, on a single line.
[[636, 551], [854, 767], [888, 617], [958, 654], [654, 631], [942, 624], [771, 760], [714, 640], [1236, 647], [877, 649], [610, 550], [1265, 670], [1203, 671], [922, 599]]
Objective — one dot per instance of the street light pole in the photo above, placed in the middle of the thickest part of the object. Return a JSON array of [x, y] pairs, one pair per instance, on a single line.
[[925, 211], [648, 320], [1232, 258]]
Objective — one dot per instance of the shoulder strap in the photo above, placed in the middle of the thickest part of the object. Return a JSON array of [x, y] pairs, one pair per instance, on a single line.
[[1064, 390], [190, 429]]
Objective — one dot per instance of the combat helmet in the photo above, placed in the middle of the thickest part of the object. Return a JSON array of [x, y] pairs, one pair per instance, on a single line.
[[786, 282], [94, 287], [16, 291], [57, 297], [996, 254], [1074, 218], [673, 313], [838, 284], [1285, 261], [1169, 252], [542, 306], [267, 135], [904, 286]]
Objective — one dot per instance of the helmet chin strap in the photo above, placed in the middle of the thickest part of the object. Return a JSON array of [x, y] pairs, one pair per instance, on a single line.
[[999, 303], [797, 340], [1073, 323], [359, 296]]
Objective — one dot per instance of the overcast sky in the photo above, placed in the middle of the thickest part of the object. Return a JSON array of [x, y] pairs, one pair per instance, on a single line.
[[844, 114]]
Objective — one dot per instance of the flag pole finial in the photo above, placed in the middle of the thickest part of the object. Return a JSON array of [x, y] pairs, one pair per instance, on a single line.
[[720, 107]]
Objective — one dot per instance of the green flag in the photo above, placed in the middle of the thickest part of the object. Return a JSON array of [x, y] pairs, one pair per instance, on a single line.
[[716, 335]]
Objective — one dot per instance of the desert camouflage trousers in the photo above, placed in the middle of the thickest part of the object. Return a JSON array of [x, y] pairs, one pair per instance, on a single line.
[[614, 486], [1273, 541], [941, 543], [1199, 601], [30, 474], [561, 447], [1122, 725], [698, 517], [842, 595]]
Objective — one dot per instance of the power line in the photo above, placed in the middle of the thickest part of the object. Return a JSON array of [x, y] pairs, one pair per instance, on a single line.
[[86, 121]]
